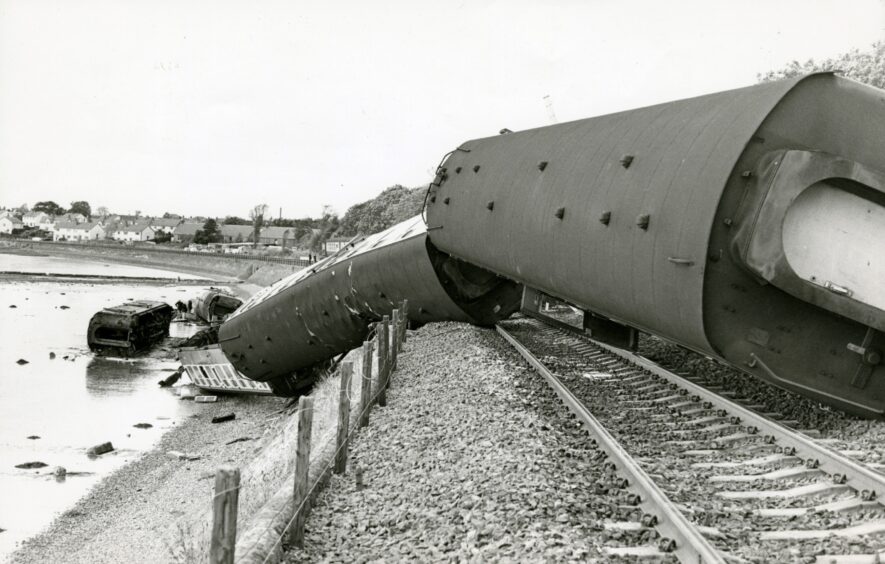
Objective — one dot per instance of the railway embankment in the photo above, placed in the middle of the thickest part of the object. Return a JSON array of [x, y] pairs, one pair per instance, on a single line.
[[473, 458]]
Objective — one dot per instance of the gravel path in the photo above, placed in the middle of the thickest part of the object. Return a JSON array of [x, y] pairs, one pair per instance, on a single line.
[[474, 458]]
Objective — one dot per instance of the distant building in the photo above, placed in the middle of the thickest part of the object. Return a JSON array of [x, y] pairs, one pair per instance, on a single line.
[[166, 224], [235, 233], [334, 244], [184, 232], [47, 224], [10, 223], [136, 232], [34, 219], [276, 235], [121, 219], [71, 231]]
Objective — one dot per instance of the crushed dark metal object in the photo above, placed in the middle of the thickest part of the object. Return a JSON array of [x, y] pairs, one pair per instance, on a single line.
[[128, 328]]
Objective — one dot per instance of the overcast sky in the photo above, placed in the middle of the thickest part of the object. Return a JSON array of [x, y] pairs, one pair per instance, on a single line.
[[208, 107]]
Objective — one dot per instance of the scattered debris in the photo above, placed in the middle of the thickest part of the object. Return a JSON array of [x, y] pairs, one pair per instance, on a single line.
[[171, 379], [142, 425], [100, 449], [127, 328], [223, 418], [206, 399], [240, 440], [33, 437], [21, 361], [187, 392], [51, 355], [178, 455], [13, 306], [31, 465], [64, 307], [202, 338], [60, 471], [215, 304]]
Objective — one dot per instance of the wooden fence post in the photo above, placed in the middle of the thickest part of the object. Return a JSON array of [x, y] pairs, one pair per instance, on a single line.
[[224, 508], [383, 360], [302, 466], [343, 419], [405, 321], [366, 384], [394, 344]]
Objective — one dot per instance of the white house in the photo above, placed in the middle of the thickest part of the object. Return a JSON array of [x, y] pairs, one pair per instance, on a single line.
[[166, 224], [47, 224], [70, 231], [34, 219], [138, 232], [8, 223]]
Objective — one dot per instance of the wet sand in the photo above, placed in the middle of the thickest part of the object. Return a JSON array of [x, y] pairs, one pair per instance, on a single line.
[[133, 514]]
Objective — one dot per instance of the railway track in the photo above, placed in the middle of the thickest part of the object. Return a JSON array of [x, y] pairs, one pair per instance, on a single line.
[[717, 480]]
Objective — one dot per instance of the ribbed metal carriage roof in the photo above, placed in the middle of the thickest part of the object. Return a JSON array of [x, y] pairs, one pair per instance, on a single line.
[[683, 154]]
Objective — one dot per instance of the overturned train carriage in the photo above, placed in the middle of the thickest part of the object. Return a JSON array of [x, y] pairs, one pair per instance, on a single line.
[[284, 332], [748, 225]]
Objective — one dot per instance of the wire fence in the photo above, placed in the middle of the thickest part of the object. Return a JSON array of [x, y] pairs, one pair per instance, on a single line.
[[194, 537]]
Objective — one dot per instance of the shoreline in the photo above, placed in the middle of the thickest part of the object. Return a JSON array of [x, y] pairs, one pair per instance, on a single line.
[[140, 512], [135, 513]]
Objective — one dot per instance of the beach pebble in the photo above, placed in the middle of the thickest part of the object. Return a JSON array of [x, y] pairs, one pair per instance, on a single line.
[[100, 449], [142, 425], [31, 465], [21, 362]]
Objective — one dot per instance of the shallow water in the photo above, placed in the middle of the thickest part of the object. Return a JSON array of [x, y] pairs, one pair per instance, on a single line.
[[74, 403], [66, 265]]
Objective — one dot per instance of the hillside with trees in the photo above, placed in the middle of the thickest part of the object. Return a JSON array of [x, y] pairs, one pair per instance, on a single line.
[[390, 207], [863, 66]]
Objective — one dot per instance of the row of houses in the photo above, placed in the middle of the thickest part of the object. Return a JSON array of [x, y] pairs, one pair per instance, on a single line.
[[74, 227]]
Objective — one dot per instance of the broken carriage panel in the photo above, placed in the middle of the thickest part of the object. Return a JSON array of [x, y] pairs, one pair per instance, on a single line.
[[214, 305], [128, 328], [209, 369]]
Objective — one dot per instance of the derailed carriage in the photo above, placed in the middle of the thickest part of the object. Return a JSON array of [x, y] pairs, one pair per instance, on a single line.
[[747, 225], [283, 332]]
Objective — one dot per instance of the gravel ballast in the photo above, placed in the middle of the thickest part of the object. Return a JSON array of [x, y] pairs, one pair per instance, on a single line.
[[473, 458]]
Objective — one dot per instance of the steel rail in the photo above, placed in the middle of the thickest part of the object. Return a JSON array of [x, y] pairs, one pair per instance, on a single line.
[[850, 472], [691, 546]]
